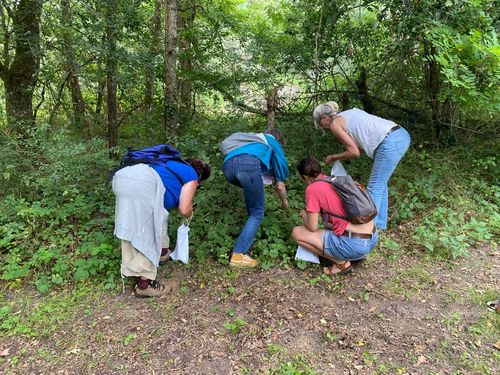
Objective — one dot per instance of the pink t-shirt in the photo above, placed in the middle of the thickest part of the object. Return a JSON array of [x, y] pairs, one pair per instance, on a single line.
[[320, 195]]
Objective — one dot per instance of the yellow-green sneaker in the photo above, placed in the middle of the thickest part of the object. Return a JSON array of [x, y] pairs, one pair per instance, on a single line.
[[242, 260]]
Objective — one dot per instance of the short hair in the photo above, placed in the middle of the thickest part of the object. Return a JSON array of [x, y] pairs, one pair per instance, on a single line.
[[325, 109], [202, 168], [309, 167]]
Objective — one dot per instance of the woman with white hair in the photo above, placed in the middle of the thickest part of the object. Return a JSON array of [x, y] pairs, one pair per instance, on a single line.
[[382, 140]]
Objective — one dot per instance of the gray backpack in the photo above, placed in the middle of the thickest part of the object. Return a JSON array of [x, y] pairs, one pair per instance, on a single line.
[[357, 202]]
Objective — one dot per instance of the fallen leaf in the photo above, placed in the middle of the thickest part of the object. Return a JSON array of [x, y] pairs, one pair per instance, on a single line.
[[497, 345], [323, 321], [351, 299], [5, 352], [361, 343], [372, 309], [74, 351]]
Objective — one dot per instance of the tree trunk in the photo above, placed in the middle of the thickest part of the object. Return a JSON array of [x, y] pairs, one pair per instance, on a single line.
[[72, 68], [344, 101], [111, 36], [154, 49], [186, 20], [272, 104], [101, 84], [170, 93], [21, 76], [433, 84], [362, 87]]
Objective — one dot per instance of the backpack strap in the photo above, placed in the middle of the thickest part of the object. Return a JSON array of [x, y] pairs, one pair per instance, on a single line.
[[322, 210], [175, 174]]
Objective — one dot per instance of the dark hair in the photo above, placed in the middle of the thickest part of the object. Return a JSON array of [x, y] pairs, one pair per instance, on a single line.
[[277, 134], [202, 169], [309, 167]]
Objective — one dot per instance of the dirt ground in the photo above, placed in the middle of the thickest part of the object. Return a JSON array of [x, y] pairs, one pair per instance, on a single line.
[[399, 316]]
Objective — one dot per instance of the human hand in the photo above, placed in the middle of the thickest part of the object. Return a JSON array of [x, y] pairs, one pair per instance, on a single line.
[[303, 214], [284, 204], [330, 159]]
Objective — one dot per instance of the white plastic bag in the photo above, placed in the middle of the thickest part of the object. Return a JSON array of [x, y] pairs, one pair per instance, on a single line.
[[181, 251], [304, 254], [338, 169]]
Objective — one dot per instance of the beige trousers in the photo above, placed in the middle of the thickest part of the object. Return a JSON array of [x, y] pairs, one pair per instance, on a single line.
[[134, 263]]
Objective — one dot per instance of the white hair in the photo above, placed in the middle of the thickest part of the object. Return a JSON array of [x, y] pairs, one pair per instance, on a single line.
[[325, 109]]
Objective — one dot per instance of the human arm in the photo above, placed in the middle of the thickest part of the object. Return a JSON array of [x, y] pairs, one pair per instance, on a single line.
[[186, 198], [281, 190], [310, 220], [339, 131]]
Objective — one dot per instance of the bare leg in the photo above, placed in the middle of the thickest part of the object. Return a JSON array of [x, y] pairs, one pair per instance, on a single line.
[[313, 241]]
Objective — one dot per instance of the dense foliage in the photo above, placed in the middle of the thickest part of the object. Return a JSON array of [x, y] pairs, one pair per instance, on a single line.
[[56, 218]]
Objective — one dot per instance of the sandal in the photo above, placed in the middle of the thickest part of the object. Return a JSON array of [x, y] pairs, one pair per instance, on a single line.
[[342, 268]]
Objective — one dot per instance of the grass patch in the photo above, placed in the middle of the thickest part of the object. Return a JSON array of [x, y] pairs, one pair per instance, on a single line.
[[297, 366], [410, 282], [38, 316]]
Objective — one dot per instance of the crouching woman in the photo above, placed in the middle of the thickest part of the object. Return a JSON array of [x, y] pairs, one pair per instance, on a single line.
[[341, 241]]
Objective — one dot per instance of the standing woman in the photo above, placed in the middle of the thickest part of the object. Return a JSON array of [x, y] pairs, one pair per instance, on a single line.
[[382, 140], [252, 160]]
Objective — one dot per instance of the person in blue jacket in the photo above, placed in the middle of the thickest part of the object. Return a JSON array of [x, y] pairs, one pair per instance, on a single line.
[[251, 161]]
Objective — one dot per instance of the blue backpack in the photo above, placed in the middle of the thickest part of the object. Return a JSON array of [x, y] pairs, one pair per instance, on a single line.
[[158, 155]]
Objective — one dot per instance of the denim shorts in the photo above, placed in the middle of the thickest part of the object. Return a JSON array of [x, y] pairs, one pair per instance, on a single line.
[[345, 248]]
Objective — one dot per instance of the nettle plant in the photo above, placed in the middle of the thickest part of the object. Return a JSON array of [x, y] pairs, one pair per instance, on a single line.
[[453, 203]]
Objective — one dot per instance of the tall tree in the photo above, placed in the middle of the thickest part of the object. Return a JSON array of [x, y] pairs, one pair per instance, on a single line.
[[154, 49], [72, 67], [21, 74], [186, 19], [111, 71], [170, 93]]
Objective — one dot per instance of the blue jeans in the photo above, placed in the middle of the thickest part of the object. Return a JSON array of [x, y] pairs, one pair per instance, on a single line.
[[387, 157], [345, 248], [245, 171]]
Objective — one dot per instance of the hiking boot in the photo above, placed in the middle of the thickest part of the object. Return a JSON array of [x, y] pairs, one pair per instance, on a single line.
[[165, 256], [242, 260], [154, 289]]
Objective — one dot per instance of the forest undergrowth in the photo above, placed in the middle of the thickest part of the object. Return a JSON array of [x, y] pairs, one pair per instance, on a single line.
[[56, 216]]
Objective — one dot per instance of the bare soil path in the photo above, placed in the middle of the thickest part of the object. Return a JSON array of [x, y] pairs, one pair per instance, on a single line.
[[405, 316]]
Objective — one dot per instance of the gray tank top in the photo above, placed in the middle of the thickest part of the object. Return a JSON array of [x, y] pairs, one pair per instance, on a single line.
[[368, 131]]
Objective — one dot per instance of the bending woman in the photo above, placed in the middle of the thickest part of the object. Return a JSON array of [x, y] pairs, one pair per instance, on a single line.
[[252, 160], [340, 241], [382, 140], [144, 194]]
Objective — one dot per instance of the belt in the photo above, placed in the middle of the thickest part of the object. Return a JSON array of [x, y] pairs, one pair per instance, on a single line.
[[391, 130], [348, 233]]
